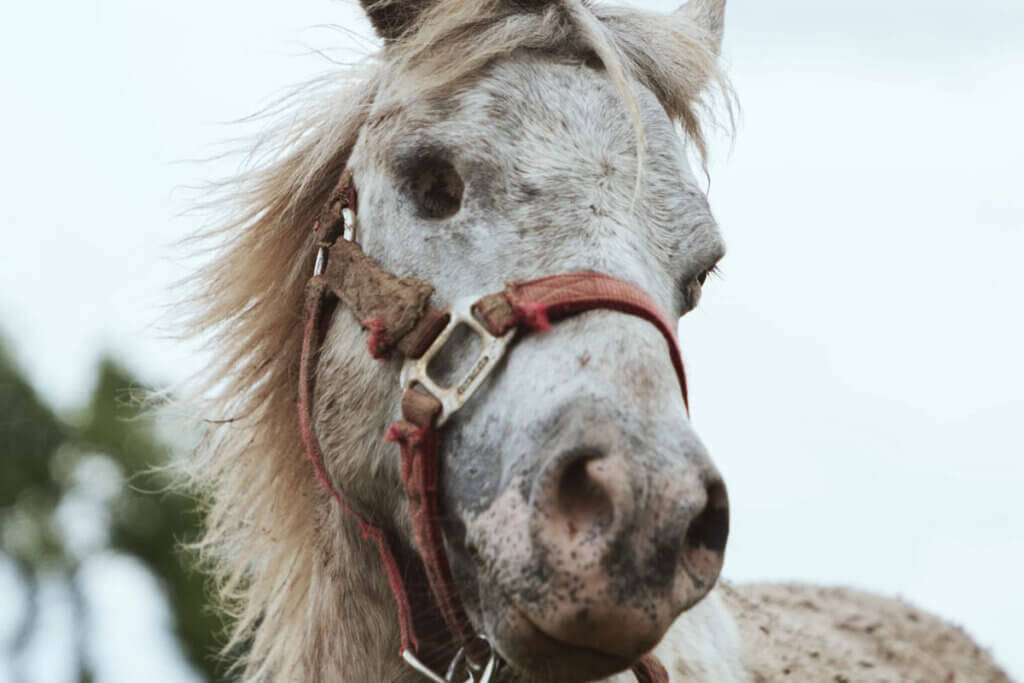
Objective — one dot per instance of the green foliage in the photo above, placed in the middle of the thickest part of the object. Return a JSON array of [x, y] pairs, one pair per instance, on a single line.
[[30, 435], [111, 453]]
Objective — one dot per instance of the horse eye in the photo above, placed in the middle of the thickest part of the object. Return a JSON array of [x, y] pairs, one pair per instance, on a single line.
[[692, 289], [437, 188], [702, 278]]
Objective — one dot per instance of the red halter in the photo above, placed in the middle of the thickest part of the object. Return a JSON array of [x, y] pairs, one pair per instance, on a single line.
[[398, 315]]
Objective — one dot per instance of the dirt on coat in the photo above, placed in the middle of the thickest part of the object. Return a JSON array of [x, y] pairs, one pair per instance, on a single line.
[[839, 635]]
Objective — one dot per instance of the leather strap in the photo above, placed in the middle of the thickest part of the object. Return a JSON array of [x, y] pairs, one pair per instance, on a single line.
[[395, 310], [650, 670], [535, 304], [420, 445]]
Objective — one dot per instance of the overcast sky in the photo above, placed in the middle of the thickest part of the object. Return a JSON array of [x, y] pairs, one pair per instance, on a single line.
[[856, 372]]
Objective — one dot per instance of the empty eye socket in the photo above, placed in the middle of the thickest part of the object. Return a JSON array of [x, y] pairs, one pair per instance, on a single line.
[[436, 188]]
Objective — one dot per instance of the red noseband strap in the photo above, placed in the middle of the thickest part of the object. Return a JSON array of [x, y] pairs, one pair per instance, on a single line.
[[535, 304], [399, 318]]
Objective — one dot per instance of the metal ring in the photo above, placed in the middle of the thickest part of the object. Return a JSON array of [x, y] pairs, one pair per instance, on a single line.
[[348, 220], [418, 666], [478, 673]]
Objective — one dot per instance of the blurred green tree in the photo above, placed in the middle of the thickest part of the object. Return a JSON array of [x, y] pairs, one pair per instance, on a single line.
[[110, 453]]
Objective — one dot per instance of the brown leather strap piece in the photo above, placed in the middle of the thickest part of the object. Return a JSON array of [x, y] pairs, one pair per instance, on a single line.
[[497, 313], [416, 342], [650, 670], [389, 306], [394, 309]]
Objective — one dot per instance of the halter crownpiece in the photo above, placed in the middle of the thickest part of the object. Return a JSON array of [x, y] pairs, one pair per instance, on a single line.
[[399, 317]]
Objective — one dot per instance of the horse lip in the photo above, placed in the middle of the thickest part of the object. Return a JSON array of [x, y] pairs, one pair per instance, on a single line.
[[581, 663], [628, 659]]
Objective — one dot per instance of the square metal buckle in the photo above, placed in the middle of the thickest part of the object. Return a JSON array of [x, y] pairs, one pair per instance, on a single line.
[[492, 348]]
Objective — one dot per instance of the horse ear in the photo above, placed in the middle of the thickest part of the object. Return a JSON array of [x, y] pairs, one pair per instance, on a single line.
[[708, 15], [392, 18]]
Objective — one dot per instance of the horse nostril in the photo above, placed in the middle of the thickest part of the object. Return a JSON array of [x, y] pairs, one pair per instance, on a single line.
[[707, 534], [583, 500]]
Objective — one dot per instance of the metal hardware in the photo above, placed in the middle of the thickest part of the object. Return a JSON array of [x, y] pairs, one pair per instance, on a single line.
[[475, 673], [415, 371], [321, 261], [485, 671], [348, 218], [348, 221], [422, 668]]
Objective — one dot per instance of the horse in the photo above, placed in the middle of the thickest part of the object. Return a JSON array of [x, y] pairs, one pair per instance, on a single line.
[[555, 517]]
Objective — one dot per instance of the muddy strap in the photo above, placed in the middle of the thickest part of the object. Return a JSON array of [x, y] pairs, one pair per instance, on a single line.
[[397, 314], [395, 310]]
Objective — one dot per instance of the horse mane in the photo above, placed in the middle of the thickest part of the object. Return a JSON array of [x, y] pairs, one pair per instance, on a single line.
[[257, 487]]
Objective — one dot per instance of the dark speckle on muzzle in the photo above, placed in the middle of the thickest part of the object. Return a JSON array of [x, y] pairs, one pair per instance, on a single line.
[[627, 542]]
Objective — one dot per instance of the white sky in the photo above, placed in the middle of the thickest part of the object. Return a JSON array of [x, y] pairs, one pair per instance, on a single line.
[[857, 373]]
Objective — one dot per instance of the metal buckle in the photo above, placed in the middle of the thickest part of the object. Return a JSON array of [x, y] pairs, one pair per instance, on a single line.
[[348, 220], [460, 663], [414, 371]]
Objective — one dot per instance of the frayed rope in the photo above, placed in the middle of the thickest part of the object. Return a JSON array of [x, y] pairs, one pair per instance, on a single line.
[[379, 344]]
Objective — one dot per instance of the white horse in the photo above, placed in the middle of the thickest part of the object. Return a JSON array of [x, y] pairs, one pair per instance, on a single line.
[[583, 520]]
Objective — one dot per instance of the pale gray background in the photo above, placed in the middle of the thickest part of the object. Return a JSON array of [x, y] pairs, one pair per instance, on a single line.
[[856, 372]]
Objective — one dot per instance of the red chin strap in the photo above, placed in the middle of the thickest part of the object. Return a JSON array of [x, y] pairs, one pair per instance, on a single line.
[[397, 313]]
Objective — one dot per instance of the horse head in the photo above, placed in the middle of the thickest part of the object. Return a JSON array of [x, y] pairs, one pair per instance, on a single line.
[[492, 142], [583, 514]]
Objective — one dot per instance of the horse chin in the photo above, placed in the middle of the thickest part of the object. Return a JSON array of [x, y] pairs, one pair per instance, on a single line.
[[542, 658], [531, 651]]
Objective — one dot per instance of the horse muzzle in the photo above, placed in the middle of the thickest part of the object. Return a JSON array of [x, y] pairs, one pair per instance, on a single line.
[[613, 548]]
